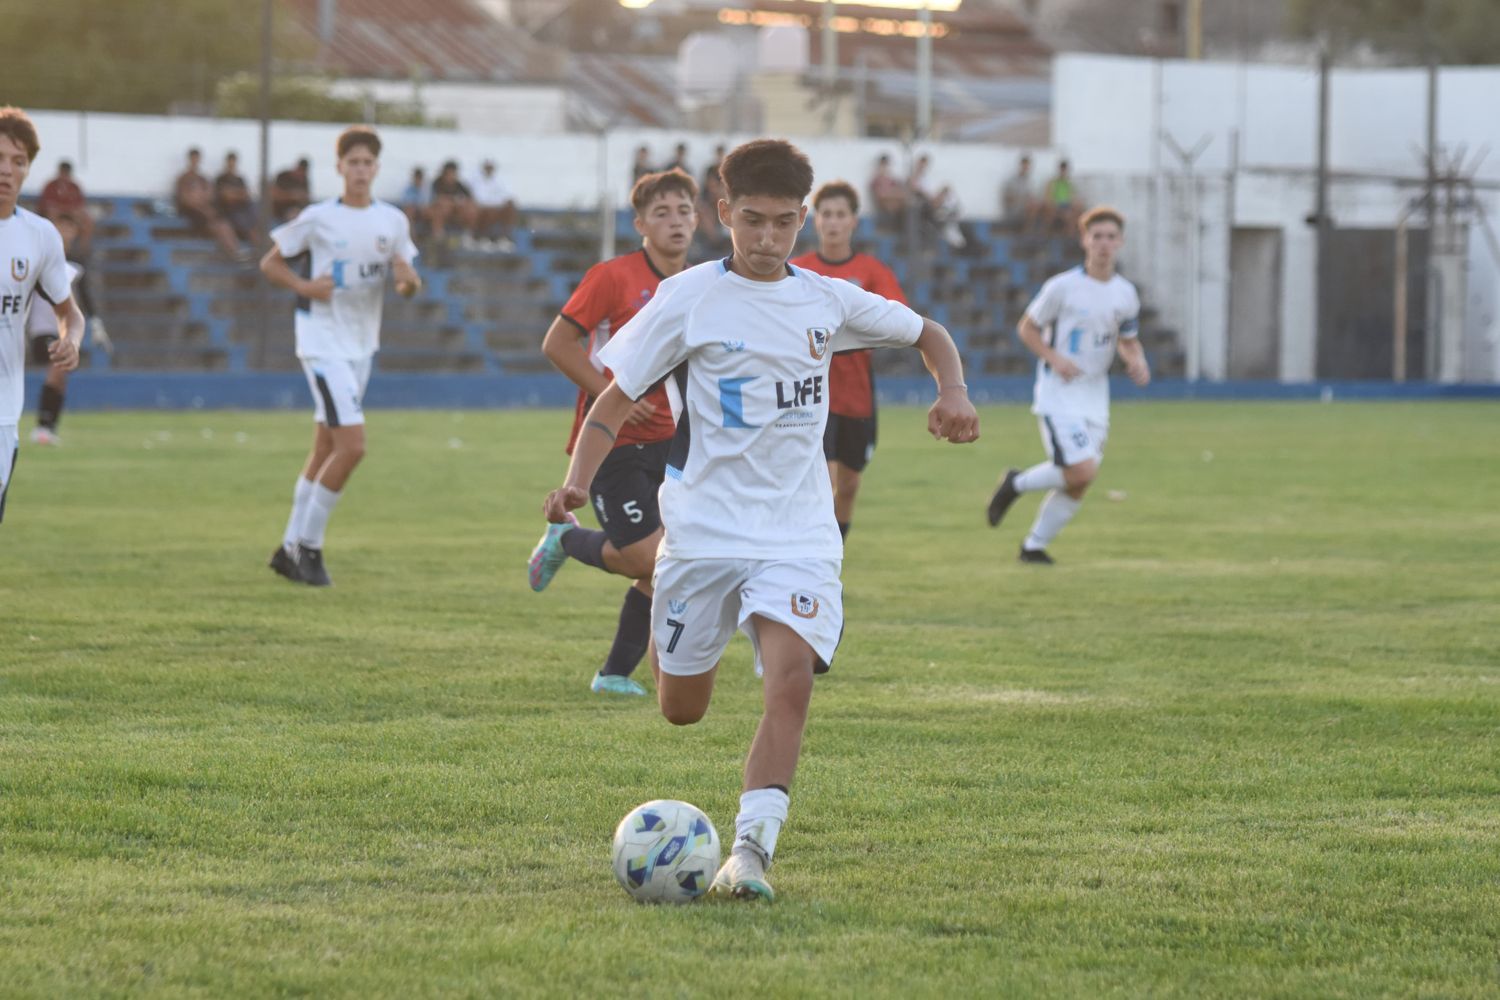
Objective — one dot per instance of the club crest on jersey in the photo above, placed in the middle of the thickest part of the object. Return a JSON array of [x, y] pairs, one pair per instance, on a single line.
[[382, 244], [677, 607], [804, 606], [817, 342], [20, 267]]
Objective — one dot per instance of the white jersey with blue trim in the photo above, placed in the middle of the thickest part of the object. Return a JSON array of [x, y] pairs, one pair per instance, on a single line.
[[31, 262], [1083, 319], [355, 247], [746, 477]]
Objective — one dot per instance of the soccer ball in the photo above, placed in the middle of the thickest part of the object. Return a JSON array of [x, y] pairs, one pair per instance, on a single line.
[[666, 852]]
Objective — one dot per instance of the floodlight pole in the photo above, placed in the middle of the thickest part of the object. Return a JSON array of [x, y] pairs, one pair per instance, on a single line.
[[924, 73], [830, 68], [263, 308]]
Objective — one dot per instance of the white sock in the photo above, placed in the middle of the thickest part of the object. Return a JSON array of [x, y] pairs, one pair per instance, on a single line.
[[1044, 476], [762, 812], [300, 496], [319, 509], [1056, 511]]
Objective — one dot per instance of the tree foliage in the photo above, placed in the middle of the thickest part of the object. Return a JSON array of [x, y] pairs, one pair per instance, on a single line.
[[1456, 31], [310, 99], [139, 56]]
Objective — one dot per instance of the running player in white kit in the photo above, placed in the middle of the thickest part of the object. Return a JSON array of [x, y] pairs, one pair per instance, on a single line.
[[1075, 326], [336, 255], [31, 254], [750, 539]]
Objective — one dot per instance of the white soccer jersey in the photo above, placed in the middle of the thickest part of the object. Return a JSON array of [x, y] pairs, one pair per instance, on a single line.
[[354, 246], [1082, 319], [31, 253], [41, 318], [746, 477]]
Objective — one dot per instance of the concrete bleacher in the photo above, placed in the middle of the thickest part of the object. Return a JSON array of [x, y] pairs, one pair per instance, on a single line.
[[173, 302]]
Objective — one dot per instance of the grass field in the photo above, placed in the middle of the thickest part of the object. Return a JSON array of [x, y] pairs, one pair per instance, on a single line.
[[1244, 740]]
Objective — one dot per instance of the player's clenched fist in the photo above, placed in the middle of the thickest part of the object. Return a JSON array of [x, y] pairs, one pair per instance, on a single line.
[[559, 502], [953, 419]]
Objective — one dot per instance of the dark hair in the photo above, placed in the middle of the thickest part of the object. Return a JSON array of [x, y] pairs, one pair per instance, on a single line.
[[653, 186], [15, 123], [767, 167], [64, 167], [358, 135], [1101, 213], [194, 151], [837, 189]]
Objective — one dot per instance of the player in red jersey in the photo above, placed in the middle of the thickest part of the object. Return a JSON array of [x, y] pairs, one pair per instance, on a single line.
[[624, 490], [849, 441]]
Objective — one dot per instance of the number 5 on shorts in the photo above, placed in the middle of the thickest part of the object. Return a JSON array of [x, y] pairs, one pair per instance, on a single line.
[[633, 511], [677, 628]]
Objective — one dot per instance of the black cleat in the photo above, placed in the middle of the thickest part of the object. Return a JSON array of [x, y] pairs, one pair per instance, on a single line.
[[1005, 495], [310, 567], [1037, 557], [285, 564]]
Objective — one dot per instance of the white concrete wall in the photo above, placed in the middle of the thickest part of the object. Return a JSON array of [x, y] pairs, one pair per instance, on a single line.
[[495, 109]]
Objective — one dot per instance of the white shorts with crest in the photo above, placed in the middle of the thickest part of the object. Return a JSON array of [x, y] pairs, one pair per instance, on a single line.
[[699, 603], [338, 386]]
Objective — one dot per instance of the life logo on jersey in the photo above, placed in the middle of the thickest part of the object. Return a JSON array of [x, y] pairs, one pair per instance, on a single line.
[[817, 341], [804, 606], [20, 267]]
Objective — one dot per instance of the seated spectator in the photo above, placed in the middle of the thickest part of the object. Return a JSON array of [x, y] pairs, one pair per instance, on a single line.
[[642, 165], [193, 197], [888, 194], [1020, 208], [290, 191], [945, 214], [63, 198], [711, 239], [679, 159], [1061, 205], [495, 210], [451, 199], [415, 198], [916, 184], [232, 199]]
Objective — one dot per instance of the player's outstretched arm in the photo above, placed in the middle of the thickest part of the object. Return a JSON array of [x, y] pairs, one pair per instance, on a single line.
[[1134, 356], [952, 417], [273, 266], [64, 351], [595, 442], [408, 281], [1031, 335]]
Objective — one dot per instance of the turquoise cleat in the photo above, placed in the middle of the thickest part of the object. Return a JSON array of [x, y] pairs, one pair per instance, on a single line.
[[548, 556], [615, 684]]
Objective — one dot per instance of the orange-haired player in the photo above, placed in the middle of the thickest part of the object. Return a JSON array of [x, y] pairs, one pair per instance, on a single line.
[[624, 490], [849, 441]]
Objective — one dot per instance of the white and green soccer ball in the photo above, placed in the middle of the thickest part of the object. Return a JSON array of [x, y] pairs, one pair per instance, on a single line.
[[666, 852]]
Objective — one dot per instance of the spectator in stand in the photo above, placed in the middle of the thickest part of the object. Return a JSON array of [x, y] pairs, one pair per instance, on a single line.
[[1020, 208], [291, 191], [712, 238], [61, 199], [232, 199], [193, 197], [679, 159], [1061, 204], [415, 199], [888, 194], [916, 185], [496, 212], [451, 199], [642, 165]]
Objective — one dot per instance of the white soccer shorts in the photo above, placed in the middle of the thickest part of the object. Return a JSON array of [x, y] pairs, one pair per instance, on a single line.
[[699, 603], [10, 446], [337, 387], [1071, 440]]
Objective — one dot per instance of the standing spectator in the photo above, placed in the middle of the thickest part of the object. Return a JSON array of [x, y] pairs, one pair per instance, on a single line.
[[712, 238], [1061, 203], [291, 192], [888, 194], [61, 199], [496, 213], [193, 196], [415, 198], [451, 198], [679, 159], [642, 165], [232, 199], [1019, 206]]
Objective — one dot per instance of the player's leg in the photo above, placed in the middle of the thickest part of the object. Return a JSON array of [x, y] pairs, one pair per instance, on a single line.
[[694, 614], [793, 613], [340, 385], [50, 402], [1079, 447], [1043, 476], [9, 452], [854, 445], [624, 493]]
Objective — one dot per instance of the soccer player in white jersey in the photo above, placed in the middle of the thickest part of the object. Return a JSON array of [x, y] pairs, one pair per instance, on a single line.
[[336, 255], [750, 539], [31, 253], [1075, 326]]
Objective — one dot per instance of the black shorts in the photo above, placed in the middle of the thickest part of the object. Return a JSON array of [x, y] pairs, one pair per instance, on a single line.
[[849, 441], [624, 491], [40, 345]]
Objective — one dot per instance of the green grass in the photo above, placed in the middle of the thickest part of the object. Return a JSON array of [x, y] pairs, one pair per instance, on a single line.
[[1244, 740]]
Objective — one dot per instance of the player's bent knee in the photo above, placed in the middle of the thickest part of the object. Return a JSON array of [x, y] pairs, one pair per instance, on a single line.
[[683, 715]]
